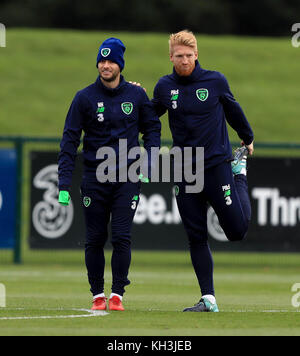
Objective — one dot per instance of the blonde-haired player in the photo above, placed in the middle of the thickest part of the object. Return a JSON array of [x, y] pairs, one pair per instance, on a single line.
[[199, 103]]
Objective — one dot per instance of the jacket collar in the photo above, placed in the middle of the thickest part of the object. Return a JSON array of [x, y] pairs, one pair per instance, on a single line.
[[111, 91], [194, 77]]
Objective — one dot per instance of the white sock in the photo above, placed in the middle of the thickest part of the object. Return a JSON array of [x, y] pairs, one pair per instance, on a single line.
[[210, 298], [114, 294], [102, 295]]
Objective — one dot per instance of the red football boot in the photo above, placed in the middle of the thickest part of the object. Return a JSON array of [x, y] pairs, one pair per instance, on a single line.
[[115, 303], [99, 303]]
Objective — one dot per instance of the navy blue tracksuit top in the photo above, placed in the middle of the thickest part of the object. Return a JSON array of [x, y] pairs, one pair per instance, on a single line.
[[106, 116], [198, 107]]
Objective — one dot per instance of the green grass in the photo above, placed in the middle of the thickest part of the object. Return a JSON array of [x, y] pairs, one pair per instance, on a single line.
[[41, 70], [253, 293]]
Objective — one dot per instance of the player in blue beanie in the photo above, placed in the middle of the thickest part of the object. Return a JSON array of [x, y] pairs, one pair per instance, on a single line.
[[113, 50], [108, 110]]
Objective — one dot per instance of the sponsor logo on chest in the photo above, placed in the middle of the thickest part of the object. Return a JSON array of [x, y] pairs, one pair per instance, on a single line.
[[201, 94], [174, 98], [100, 111], [127, 108]]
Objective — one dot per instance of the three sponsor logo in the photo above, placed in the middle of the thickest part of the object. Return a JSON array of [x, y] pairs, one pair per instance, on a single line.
[[50, 219]]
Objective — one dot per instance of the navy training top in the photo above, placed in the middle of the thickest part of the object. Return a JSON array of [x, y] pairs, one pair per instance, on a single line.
[[198, 107], [106, 116]]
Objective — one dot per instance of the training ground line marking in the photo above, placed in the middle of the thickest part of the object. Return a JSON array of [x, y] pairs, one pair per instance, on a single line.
[[91, 313]]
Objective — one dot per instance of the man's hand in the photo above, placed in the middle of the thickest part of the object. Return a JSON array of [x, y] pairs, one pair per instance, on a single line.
[[250, 148], [143, 179], [64, 198], [137, 84]]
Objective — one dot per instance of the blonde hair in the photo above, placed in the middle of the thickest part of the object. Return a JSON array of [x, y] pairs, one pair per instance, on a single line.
[[184, 38]]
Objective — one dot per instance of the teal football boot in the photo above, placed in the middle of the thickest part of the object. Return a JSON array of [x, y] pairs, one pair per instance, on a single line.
[[204, 305], [239, 164]]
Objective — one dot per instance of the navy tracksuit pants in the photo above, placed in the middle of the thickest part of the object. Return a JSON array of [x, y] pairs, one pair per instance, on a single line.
[[104, 203], [228, 195]]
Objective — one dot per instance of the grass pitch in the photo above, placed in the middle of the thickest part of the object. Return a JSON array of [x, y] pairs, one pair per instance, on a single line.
[[52, 298]]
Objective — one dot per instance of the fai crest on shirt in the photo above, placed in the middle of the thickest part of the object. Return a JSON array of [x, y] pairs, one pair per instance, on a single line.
[[127, 108], [202, 94]]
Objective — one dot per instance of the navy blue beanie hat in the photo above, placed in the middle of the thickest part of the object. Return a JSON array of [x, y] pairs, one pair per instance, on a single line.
[[113, 50]]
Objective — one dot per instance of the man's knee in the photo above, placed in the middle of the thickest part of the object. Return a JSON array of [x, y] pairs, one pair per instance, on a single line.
[[237, 233], [96, 240], [197, 237], [121, 242]]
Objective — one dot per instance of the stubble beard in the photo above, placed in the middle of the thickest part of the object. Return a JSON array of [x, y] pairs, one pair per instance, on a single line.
[[110, 79], [185, 72]]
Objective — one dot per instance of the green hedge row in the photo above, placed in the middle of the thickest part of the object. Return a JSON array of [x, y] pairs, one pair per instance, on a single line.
[[255, 17]]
